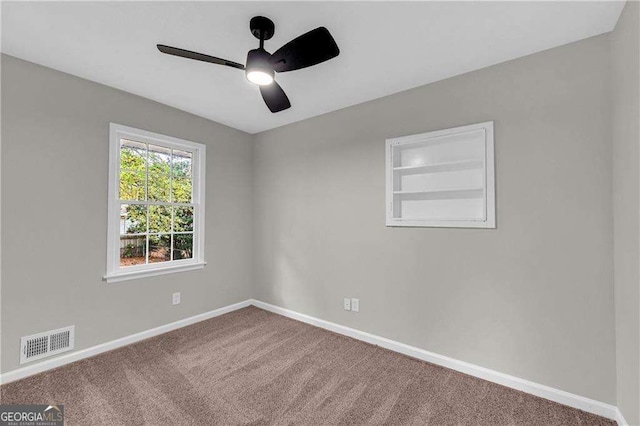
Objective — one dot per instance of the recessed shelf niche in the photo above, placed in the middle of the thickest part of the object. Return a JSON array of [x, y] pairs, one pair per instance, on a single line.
[[443, 178]]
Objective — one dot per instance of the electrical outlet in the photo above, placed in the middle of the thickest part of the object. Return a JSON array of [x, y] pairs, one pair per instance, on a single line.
[[176, 298], [347, 304], [355, 305]]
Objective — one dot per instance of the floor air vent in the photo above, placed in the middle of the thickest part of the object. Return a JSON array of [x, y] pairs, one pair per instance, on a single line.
[[46, 344]]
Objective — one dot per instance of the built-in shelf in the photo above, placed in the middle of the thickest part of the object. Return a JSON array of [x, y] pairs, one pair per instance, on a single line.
[[443, 194], [443, 178], [440, 167]]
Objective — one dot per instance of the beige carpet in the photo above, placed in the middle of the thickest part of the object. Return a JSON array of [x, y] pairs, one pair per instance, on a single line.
[[255, 367]]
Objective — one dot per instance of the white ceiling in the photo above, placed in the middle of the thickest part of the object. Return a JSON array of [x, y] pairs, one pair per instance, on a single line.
[[386, 47]]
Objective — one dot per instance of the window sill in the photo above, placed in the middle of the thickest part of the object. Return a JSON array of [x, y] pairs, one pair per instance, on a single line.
[[125, 276]]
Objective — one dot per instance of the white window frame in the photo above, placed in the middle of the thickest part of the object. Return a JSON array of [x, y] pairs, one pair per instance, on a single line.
[[489, 220], [114, 272]]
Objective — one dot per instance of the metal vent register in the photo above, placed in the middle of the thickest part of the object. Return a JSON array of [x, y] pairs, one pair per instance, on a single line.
[[46, 344]]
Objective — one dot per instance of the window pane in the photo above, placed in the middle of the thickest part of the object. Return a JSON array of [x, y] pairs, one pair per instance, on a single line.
[[133, 249], [181, 164], [182, 219], [133, 219], [159, 248], [181, 188], [159, 219], [158, 187], [182, 246], [133, 156], [132, 185], [159, 160]]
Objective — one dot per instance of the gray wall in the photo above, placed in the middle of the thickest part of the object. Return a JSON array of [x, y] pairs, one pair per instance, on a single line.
[[55, 136], [532, 298], [625, 55]]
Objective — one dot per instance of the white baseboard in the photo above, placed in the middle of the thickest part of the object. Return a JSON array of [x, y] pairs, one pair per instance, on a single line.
[[620, 418], [70, 357], [576, 401]]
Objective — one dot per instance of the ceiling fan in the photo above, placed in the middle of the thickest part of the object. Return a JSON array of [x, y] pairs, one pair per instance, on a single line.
[[309, 49]]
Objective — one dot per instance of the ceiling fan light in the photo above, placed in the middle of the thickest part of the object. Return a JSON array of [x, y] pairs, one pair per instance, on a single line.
[[259, 69], [259, 77]]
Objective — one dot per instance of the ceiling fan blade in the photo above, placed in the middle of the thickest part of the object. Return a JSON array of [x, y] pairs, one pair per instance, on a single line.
[[197, 56], [274, 97], [309, 49]]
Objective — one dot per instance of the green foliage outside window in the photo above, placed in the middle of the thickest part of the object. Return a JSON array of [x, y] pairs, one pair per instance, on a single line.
[[169, 180]]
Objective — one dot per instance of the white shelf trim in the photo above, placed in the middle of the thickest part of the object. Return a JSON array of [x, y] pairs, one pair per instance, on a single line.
[[441, 167], [441, 194], [438, 191]]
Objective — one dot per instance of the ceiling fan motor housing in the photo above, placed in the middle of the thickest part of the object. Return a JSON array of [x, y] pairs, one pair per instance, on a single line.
[[258, 60]]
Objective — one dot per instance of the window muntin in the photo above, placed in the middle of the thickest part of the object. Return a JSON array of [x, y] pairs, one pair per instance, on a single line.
[[156, 211]]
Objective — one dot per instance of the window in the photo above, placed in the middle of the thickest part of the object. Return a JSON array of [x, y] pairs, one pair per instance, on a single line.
[[443, 178], [156, 204]]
